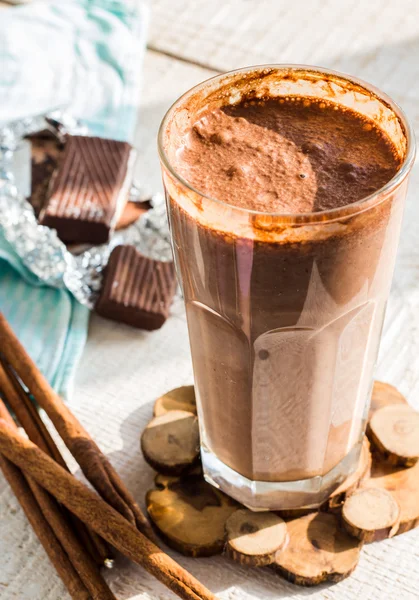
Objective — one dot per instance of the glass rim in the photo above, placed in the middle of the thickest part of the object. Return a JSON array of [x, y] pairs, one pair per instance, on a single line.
[[357, 207]]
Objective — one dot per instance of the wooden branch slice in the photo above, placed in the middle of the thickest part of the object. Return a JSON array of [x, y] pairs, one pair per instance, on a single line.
[[190, 514], [170, 443], [371, 515], [253, 538], [351, 483], [403, 484], [295, 513], [384, 394], [317, 551], [181, 398], [394, 432]]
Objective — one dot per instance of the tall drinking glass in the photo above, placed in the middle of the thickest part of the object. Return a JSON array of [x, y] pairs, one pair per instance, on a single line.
[[284, 311]]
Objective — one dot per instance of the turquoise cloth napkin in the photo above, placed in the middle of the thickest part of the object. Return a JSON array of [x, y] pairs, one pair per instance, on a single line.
[[84, 56], [48, 321]]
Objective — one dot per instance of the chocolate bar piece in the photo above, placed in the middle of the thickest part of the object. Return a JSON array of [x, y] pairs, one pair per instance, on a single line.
[[46, 156], [89, 189], [137, 290]]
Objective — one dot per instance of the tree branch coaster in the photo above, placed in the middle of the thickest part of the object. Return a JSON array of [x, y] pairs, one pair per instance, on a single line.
[[371, 515], [379, 500], [394, 433], [318, 551], [170, 442], [254, 538], [181, 398], [189, 513], [403, 485]]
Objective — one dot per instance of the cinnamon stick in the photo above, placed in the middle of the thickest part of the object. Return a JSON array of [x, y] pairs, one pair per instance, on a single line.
[[46, 536], [36, 430], [94, 464], [51, 545], [80, 559], [98, 515], [27, 414]]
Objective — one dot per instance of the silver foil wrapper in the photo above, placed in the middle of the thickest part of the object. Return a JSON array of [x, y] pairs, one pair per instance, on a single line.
[[39, 248]]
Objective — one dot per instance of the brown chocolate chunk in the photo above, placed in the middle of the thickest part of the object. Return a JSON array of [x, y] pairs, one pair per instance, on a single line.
[[89, 189], [137, 290]]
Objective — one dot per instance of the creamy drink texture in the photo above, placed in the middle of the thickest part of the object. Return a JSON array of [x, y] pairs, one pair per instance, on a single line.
[[290, 156], [284, 325]]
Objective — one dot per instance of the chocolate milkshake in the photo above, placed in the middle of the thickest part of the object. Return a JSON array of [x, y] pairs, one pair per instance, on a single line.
[[285, 250]]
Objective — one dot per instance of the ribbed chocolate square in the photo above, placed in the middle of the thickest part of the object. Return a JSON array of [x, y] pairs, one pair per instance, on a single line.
[[89, 189], [137, 290]]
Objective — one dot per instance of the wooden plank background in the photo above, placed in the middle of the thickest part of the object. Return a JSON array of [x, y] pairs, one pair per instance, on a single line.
[[124, 370]]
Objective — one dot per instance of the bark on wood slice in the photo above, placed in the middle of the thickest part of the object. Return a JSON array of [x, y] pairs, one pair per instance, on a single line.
[[394, 433], [403, 484], [351, 483], [253, 538], [181, 398], [190, 514], [384, 394], [170, 443], [318, 551], [295, 513], [371, 515]]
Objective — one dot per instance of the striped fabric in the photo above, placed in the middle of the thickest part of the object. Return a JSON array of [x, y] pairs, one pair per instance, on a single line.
[[49, 322], [95, 64]]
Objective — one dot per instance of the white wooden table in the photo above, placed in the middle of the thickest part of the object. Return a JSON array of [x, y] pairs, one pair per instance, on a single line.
[[124, 370]]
